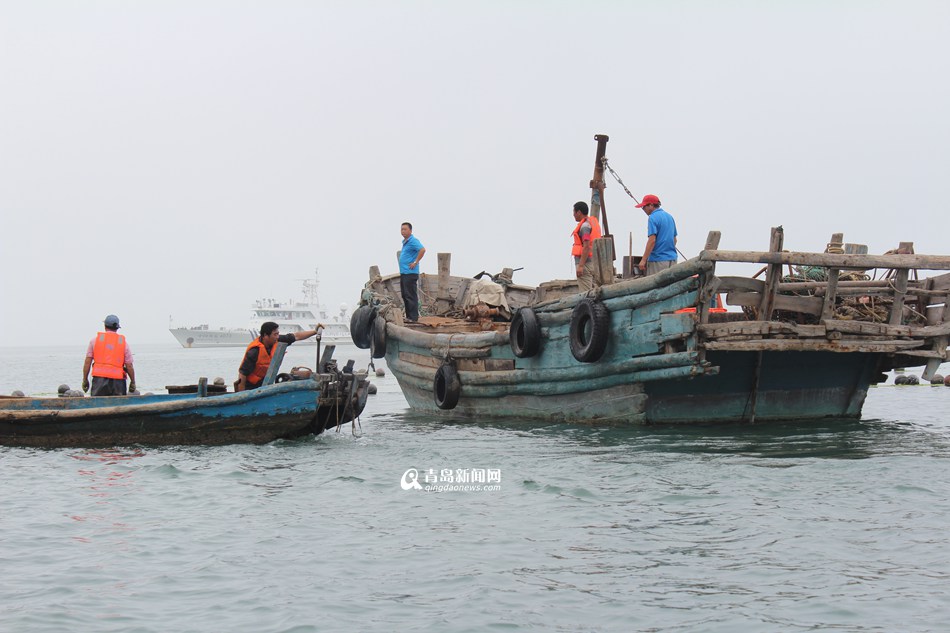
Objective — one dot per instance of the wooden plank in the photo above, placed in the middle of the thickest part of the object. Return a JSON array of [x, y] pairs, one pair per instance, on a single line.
[[864, 327], [325, 358], [828, 305], [939, 347], [742, 284], [806, 305], [676, 326], [708, 288], [829, 260], [445, 265], [940, 282], [900, 295], [761, 328], [276, 359], [798, 286], [795, 345], [773, 275], [708, 283]]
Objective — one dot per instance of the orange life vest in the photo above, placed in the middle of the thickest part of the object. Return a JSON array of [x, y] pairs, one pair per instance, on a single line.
[[718, 307], [263, 362], [578, 247], [108, 355]]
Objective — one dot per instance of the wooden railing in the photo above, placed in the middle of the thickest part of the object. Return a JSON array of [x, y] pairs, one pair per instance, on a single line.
[[930, 297]]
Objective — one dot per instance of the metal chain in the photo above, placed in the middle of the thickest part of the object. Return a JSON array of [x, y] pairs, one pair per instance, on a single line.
[[617, 178]]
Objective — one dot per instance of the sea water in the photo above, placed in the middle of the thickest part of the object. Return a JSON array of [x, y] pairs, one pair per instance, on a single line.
[[404, 523]]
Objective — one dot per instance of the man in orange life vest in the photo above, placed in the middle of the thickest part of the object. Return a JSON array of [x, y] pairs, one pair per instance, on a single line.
[[110, 358], [587, 229], [259, 353]]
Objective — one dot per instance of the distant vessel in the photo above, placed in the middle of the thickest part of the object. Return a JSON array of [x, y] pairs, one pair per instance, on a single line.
[[291, 316]]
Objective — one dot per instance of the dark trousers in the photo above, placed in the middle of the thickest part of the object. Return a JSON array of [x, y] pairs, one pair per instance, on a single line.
[[408, 284], [108, 386]]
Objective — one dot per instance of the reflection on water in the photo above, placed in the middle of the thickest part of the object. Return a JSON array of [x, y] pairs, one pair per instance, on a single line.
[[833, 438], [104, 485]]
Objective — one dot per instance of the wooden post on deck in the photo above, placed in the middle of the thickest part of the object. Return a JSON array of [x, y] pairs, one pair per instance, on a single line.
[[602, 261], [445, 263], [900, 286], [709, 283], [831, 290], [773, 275], [443, 300]]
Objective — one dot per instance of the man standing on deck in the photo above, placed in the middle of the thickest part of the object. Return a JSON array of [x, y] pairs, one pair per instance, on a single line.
[[412, 251], [259, 353], [660, 251], [110, 358], [586, 231]]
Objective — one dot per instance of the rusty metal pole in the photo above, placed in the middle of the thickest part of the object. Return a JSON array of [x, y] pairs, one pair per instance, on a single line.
[[597, 183], [598, 207]]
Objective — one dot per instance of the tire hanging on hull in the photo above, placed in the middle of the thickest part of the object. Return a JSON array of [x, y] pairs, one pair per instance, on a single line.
[[590, 330], [378, 342], [525, 333], [361, 326], [446, 388]]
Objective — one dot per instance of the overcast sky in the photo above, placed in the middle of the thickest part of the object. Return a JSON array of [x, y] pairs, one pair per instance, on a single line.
[[184, 158]]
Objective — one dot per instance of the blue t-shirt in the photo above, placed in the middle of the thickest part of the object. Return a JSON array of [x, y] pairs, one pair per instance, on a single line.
[[410, 249], [661, 224]]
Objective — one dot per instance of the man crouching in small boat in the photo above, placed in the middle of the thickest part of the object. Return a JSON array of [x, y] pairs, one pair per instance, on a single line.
[[259, 353], [110, 359]]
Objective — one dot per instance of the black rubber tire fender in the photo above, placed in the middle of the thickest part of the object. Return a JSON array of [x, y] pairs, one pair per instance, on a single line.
[[590, 330], [361, 326], [379, 337], [283, 378], [446, 388], [525, 333]]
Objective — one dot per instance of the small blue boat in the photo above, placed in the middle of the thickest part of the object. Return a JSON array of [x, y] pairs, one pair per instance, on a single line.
[[277, 410]]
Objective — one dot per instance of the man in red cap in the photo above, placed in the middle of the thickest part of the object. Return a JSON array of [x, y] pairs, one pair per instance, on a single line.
[[660, 251]]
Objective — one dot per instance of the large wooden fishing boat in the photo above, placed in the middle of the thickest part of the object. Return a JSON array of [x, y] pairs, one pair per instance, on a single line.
[[805, 341], [280, 409]]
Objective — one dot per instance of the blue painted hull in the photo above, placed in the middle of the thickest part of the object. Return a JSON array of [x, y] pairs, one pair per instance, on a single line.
[[283, 411]]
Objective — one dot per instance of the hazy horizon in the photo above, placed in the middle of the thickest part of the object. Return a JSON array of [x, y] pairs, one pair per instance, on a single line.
[[183, 159]]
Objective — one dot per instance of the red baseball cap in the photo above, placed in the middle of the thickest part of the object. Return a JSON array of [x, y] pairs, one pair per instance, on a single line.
[[649, 199]]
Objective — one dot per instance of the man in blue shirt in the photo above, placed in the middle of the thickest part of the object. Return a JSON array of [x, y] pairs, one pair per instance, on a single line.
[[412, 251], [660, 251]]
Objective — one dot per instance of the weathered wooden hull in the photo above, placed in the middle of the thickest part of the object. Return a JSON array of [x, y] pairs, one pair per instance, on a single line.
[[283, 411], [654, 368], [793, 385], [661, 349]]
